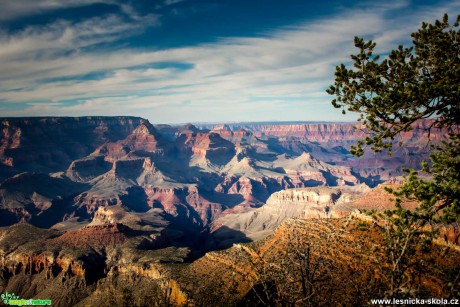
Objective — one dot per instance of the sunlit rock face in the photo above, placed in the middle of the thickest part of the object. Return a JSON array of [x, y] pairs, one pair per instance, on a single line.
[[303, 203]]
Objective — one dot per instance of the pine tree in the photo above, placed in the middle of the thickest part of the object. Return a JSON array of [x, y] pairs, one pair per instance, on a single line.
[[418, 82], [390, 95]]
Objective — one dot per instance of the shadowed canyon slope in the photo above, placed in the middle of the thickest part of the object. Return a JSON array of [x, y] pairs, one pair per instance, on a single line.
[[50, 143]]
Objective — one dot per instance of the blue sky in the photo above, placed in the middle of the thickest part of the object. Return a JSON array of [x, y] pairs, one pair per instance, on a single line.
[[176, 61]]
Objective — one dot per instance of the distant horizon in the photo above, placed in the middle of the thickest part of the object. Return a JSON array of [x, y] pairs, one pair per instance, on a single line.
[[177, 61], [185, 123]]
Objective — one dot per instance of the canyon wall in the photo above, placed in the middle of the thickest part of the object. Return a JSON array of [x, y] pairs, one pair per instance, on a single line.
[[49, 144], [324, 132]]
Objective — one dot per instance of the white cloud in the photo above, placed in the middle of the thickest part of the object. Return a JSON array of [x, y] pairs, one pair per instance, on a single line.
[[280, 74], [62, 36], [12, 9]]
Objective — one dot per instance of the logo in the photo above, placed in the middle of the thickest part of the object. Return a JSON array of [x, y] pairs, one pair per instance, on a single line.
[[14, 300]]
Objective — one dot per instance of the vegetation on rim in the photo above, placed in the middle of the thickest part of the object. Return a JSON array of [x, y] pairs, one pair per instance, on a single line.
[[418, 82]]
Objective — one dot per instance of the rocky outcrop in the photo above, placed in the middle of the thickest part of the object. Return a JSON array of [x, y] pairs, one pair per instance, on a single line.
[[306, 168], [11, 139], [256, 189], [324, 197], [86, 169], [143, 140], [77, 266], [36, 198], [127, 182], [319, 202], [207, 149], [188, 129], [104, 237], [380, 199], [187, 205], [28, 265], [146, 284]]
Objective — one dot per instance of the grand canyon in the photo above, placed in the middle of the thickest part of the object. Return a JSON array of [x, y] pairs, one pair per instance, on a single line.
[[99, 211], [231, 153]]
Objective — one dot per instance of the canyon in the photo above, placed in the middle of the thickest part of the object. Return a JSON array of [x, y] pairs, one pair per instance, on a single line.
[[112, 209], [57, 172]]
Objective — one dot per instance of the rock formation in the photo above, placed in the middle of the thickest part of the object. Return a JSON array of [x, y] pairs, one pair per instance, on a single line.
[[50, 144], [330, 142], [319, 202]]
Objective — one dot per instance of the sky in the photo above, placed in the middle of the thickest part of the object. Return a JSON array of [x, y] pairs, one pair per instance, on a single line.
[[178, 61]]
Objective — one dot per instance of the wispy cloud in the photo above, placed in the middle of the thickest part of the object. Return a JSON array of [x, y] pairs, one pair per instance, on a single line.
[[280, 74], [63, 49], [61, 37], [167, 3], [171, 2], [19, 8]]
